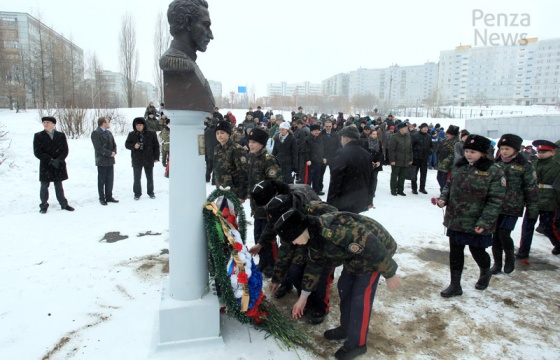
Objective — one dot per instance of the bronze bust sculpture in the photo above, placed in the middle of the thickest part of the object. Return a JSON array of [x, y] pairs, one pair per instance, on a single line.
[[186, 88]]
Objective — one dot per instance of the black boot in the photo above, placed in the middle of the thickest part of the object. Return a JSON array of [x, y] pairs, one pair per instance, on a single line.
[[484, 279], [509, 265], [455, 288], [497, 254]]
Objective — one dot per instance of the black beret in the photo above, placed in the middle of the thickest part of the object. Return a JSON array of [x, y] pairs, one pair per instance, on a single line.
[[477, 142], [224, 126], [290, 225], [258, 135], [511, 140], [49, 118]]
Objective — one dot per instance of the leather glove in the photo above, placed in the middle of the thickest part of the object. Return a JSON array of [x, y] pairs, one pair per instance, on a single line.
[[55, 163]]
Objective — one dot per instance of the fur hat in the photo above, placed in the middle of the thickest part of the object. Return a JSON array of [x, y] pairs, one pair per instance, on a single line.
[[511, 140], [258, 135], [401, 125], [262, 192], [278, 205], [477, 142], [313, 127], [138, 120], [290, 225], [464, 132], [223, 125], [351, 132], [452, 130], [49, 118], [423, 125], [285, 125]]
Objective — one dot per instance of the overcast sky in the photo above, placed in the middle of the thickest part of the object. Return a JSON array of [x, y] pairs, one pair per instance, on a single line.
[[261, 41]]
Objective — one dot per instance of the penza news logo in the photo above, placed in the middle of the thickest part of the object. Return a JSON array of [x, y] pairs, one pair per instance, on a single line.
[[486, 30]]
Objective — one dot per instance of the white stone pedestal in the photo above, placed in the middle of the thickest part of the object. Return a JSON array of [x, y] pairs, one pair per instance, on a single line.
[[186, 317]]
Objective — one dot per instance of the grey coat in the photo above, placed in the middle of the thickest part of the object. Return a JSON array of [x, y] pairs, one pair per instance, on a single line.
[[104, 145]]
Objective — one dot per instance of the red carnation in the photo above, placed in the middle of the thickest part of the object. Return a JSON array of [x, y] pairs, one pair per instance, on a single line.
[[242, 278], [237, 246], [434, 201]]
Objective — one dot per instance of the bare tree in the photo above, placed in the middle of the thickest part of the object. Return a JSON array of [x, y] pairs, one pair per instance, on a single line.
[[128, 55], [162, 38]]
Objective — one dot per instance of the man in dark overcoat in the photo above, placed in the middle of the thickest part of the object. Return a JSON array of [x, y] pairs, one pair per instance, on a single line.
[[51, 148], [105, 151], [144, 148], [351, 186]]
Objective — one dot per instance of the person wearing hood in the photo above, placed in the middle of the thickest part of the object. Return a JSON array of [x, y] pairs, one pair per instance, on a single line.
[[144, 151]]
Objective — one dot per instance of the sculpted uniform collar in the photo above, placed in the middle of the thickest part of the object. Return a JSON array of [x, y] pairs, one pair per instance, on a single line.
[[176, 44]]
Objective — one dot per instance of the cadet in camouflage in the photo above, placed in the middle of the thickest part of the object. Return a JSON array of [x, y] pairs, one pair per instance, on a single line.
[[521, 192], [474, 196], [262, 166], [291, 265], [230, 162], [363, 247], [547, 171], [446, 155]]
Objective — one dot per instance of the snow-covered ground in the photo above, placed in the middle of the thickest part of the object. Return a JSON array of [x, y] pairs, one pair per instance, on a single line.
[[67, 294]]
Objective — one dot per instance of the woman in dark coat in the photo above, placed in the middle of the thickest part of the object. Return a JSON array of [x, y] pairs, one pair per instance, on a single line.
[[144, 150], [51, 148], [375, 149], [286, 152]]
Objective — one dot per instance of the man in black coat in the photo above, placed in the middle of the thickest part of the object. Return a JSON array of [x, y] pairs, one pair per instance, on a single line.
[[105, 151], [258, 114], [351, 187], [210, 143], [421, 149], [144, 147], [331, 143], [286, 152], [51, 148]]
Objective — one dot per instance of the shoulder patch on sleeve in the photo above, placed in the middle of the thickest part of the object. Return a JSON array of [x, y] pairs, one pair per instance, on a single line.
[[327, 233], [271, 172], [504, 182], [243, 159], [355, 248]]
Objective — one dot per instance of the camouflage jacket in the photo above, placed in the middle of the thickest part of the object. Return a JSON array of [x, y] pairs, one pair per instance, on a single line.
[[262, 166], [474, 196], [166, 138], [547, 171], [230, 167], [289, 253], [446, 154], [358, 242], [305, 200], [521, 188]]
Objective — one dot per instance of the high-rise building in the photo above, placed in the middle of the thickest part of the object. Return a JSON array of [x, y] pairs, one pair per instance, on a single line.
[[293, 89], [145, 93], [395, 85], [216, 87], [336, 85], [522, 74], [38, 62]]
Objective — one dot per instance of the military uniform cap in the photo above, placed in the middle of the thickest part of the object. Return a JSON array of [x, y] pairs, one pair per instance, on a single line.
[[544, 145], [511, 140], [224, 126], [453, 130], [290, 225]]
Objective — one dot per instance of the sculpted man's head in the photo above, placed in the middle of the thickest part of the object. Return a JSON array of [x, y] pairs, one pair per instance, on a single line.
[[189, 22]]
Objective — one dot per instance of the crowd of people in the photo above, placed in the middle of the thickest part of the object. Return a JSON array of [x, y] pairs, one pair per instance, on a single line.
[[279, 167]]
